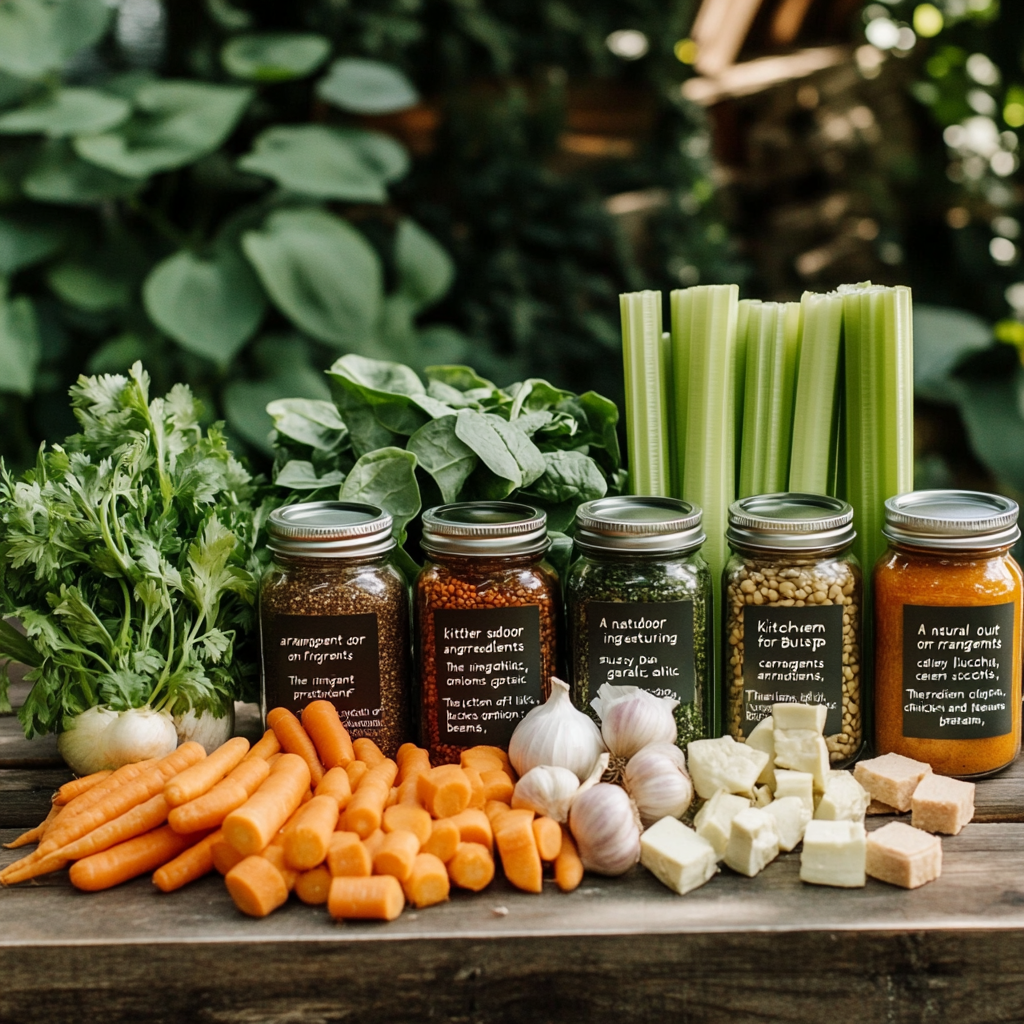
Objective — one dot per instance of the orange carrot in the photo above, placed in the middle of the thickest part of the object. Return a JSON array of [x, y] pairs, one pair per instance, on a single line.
[[225, 856], [209, 810], [335, 784], [498, 785], [427, 883], [365, 810], [396, 855], [392, 797], [274, 758], [410, 818], [548, 835], [33, 835], [76, 787], [481, 760], [200, 778], [347, 855], [379, 898], [275, 854], [518, 848], [472, 867], [477, 798], [195, 862], [127, 860], [474, 827], [444, 839], [568, 866], [445, 790], [373, 842], [142, 818], [266, 747], [482, 753], [307, 837], [412, 761], [294, 740], [356, 772], [367, 751], [256, 886], [313, 886], [96, 794], [250, 827], [331, 739], [494, 809]]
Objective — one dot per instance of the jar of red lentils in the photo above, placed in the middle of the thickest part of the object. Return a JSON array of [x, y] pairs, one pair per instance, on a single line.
[[486, 608]]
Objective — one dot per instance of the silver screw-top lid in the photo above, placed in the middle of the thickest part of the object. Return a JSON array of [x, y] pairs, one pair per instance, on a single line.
[[484, 529], [639, 525], [791, 521], [952, 520], [330, 529]]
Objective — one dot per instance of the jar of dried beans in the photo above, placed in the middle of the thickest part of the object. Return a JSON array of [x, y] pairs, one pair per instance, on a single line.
[[486, 608], [792, 609], [948, 632], [334, 618], [638, 601]]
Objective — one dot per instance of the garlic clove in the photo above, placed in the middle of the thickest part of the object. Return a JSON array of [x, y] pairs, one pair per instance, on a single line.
[[657, 780], [633, 721], [547, 790], [603, 821]]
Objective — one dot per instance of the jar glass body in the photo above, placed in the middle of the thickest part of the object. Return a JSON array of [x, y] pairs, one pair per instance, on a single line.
[[792, 631], [669, 632], [948, 664], [338, 629], [480, 672]]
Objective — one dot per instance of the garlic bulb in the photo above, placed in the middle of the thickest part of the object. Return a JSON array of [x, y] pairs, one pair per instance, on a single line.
[[557, 735], [603, 821], [656, 779], [547, 790], [83, 743], [632, 721], [138, 734]]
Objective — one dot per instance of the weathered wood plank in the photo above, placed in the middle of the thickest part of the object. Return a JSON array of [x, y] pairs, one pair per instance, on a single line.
[[25, 795]]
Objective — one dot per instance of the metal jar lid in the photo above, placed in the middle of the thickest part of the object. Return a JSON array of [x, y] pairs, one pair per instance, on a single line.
[[484, 529], [330, 529], [951, 520], [791, 521], [639, 525]]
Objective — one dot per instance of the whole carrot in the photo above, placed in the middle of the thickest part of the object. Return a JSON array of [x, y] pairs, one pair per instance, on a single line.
[[307, 838], [411, 760], [193, 863], [33, 835], [130, 859], [251, 827], [367, 751], [365, 810], [95, 794], [324, 727], [335, 783], [76, 787], [294, 740], [266, 747], [195, 781], [209, 810]]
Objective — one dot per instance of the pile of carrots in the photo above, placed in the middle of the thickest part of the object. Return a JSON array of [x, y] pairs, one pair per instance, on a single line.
[[306, 809]]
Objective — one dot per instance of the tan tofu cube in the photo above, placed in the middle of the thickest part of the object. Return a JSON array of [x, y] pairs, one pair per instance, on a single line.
[[904, 856], [891, 778], [877, 807], [941, 804]]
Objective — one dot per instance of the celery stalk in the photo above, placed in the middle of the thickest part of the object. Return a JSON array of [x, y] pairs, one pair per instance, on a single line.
[[680, 304], [648, 431]]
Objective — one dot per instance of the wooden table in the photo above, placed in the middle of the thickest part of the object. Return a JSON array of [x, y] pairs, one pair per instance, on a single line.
[[738, 950]]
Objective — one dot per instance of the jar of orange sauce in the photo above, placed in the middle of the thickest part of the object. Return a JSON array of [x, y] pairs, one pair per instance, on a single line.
[[948, 632]]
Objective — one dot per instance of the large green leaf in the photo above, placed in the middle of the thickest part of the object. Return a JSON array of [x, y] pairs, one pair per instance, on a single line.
[[23, 243], [527, 455], [386, 478], [425, 271], [316, 161], [570, 476], [274, 56], [210, 307], [174, 123], [298, 475], [993, 412], [309, 421], [477, 431], [19, 345], [37, 36], [447, 459], [943, 337], [321, 273], [58, 176], [381, 152], [67, 112], [93, 286], [367, 87]]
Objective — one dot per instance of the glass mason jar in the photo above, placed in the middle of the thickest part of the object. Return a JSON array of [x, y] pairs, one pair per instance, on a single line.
[[638, 600], [948, 632], [792, 599], [334, 618], [486, 609]]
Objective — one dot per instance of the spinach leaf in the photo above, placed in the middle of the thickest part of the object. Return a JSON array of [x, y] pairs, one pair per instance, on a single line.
[[448, 460], [386, 478]]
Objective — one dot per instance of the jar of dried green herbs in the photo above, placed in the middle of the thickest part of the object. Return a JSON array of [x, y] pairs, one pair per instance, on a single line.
[[334, 618], [639, 599]]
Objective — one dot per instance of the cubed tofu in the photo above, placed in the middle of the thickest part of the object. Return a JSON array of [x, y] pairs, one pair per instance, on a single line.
[[904, 856], [753, 842], [714, 819], [877, 807], [762, 737], [791, 818], [845, 799], [941, 804], [724, 764], [800, 784], [802, 750], [891, 778], [762, 796], [677, 856], [833, 854], [800, 716]]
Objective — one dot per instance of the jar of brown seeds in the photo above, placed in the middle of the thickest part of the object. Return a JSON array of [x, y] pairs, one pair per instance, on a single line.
[[486, 607], [334, 618], [792, 616]]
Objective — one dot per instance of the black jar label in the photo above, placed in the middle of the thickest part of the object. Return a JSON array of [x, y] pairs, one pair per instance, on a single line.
[[957, 672], [648, 644], [488, 672], [325, 657], [792, 655]]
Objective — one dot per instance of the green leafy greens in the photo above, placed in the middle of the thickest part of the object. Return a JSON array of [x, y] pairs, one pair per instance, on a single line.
[[129, 555]]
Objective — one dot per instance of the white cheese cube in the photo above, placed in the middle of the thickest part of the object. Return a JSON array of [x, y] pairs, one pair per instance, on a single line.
[[753, 842], [724, 764], [845, 799], [834, 854], [800, 716], [762, 796], [762, 737], [791, 818], [800, 784], [677, 856], [714, 819], [803, 750]]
